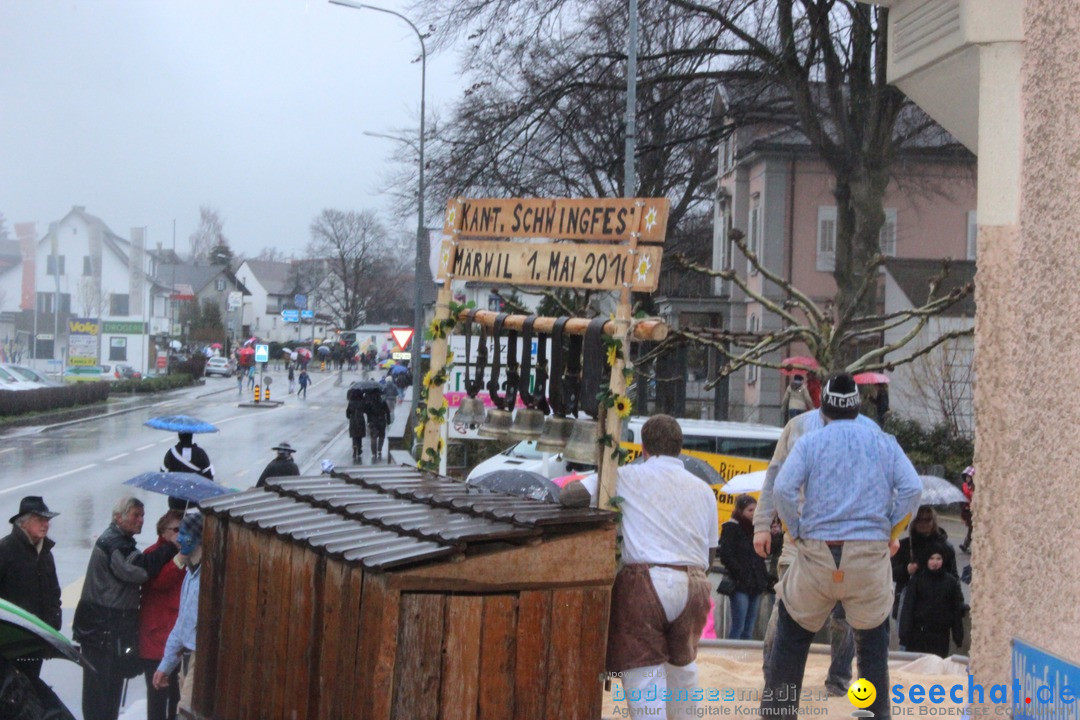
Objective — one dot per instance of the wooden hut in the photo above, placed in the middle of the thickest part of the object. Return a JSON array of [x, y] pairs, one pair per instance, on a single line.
[[385, 593]]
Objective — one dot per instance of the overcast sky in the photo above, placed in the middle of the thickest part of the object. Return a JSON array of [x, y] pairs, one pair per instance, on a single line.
[[143, 111]]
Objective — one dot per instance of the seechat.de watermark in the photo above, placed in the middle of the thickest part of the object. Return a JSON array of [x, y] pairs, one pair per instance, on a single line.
[[1032, 699]]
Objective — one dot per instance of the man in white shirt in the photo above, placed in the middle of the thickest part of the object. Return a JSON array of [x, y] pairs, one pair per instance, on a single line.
[[660, 600]]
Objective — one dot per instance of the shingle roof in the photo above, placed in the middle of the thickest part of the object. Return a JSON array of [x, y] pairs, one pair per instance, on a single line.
[[276, 277], [197, 276], [393, 516], [914, 276]]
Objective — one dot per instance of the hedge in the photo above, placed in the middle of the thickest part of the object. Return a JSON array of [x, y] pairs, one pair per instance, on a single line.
[[20, 402], [158, 383]]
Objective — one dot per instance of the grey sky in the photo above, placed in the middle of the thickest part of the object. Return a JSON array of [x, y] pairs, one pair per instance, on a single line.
[[141, 111]]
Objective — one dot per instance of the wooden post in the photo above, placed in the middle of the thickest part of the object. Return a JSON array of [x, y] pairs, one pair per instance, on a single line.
[[432, 431]]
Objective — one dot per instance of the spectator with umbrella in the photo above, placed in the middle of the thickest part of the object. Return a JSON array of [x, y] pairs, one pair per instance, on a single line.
[[924, 536], [158, 607], [185, 456], [180, 647], [378, 417], [968, 488], [354, 412], [281, 466]]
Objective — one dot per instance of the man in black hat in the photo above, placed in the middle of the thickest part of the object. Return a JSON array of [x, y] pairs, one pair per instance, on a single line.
[[280, 466], [27, 569], [186, 456]]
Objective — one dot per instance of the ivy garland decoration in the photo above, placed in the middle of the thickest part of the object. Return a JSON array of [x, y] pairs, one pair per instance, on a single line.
[[437, 330]]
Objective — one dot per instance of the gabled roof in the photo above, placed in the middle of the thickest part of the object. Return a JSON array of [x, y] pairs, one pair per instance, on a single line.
[[111, 240], [197, 276], [913, 278], [276, 277]]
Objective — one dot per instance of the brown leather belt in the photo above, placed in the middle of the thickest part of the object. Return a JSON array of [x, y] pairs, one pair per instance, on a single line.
[[682, 568], [834, 543]]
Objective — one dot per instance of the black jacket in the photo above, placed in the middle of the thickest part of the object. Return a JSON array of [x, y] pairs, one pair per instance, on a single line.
[[278, 467], [918, 548], [355, 413], [28, 578], [934, 603], [741, 562], [200, 461], [109, 605], [378, 414]]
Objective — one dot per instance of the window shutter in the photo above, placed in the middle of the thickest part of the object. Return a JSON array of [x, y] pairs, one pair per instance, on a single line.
[[887, 235], [754, 242], [826, 238]]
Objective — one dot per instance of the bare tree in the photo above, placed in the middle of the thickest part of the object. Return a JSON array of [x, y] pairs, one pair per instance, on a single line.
[[209, 235], [90, 298], [349, 256], [939, 386], [271, 254]]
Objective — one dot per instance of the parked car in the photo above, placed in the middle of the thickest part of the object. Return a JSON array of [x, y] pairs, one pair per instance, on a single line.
[[89, 373], [126, 372], [218, 366], [25, 635], [11, 381], [28, 374]]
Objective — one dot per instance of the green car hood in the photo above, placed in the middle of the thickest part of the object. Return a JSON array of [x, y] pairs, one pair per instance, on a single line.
[[22, 634]]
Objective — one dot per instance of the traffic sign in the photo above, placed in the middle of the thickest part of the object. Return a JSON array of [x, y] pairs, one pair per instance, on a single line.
[[291, 315], [262, 353], [300, 300], [307, 314], [402, 336], [236, 299]]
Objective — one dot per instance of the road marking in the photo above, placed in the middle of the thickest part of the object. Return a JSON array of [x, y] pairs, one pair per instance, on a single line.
[[144, 447], [38, 442], [69, 596], [6, 450], [51, 477], [116, 457]]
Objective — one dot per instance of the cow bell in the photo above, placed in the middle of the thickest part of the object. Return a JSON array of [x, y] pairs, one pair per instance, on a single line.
[[555, 434], [497, 424], [581, 447], [470, 412], [528, 424]]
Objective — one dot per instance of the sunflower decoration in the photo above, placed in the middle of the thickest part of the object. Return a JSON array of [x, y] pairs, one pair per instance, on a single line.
[[435, 330], [427, 379], [623, 406], [614, 350], [419, 430]]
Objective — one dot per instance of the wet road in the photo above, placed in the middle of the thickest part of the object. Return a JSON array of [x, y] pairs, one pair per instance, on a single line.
[[79, 468]]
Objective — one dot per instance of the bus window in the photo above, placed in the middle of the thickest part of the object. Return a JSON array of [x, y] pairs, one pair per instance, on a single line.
[[745, 447]]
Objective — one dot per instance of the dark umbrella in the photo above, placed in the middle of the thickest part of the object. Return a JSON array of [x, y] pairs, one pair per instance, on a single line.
[[180, 424], [358, 388], [518, 482], [695, 466], [186, 486], [323, 350], [398, 370]]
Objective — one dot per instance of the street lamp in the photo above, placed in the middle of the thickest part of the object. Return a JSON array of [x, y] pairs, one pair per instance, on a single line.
[[421, 234]]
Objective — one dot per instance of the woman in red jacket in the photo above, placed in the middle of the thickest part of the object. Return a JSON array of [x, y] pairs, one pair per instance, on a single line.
[[158, 608]]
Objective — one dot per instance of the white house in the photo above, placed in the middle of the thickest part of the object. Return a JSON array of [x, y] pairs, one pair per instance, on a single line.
[[273, 288], [84, 295]]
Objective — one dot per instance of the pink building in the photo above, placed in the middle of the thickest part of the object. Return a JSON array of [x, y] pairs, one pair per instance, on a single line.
[[775, 189]]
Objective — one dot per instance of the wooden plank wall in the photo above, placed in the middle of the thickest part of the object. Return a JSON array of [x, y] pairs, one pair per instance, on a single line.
[[291, 634]]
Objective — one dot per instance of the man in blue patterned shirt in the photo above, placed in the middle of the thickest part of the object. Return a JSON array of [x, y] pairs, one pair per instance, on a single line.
[[180, 647], [839, 492]]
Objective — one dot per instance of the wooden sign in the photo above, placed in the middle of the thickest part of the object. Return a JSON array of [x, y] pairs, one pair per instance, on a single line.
[[590, 267], [594, 219]]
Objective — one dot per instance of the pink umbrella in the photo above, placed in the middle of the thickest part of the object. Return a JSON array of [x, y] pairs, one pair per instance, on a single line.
[[303, 352], [871, 378], [215, 346], [787, 365]]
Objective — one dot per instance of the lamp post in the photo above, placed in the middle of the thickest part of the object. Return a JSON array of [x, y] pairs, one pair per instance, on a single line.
[[421, 233]]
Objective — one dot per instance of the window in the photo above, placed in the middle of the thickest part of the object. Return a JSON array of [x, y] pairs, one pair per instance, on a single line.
[[54, 265], [118, 349], [275, 322], [972, 234], [118, 304], [826, 238], [754, 235], [752, 370], [87, 266], [65, 303], [46, 302], [887, 235], [699, 443], [219, 284]]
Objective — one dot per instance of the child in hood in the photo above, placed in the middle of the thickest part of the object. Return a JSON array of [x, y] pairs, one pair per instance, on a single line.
[[933, 608]]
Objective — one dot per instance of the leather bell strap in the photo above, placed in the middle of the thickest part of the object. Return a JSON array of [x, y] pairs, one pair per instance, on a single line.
[[526, 362], [594, 364], [481, 365], [539, 392], [572, 375], [556, 392], [512, 367], [496, 363], [468, 353]]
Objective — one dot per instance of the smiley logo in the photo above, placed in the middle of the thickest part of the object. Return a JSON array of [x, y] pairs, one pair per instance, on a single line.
[[862, 693]]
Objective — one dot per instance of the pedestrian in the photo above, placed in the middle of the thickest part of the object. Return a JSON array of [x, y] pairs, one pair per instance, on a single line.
[[390, 396], [357, 426], [744, 567], [840, 492], [28, 570], [797, 399], [841, 637], [968, 488], [378, 417], [292, 378], [281, 466], [660, 600], [239, 380], [881, 402], [158, 607], [186, 456], [180, 647], [305, 380], [924, 535], [107, 616], [933, 609], [251, 377]]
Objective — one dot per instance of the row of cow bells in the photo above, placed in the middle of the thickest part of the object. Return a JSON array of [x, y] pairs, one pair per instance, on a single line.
[[575, 439]]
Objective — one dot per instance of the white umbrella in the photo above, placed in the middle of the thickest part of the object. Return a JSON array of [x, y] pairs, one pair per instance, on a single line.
[[939, 491], [751, 482]]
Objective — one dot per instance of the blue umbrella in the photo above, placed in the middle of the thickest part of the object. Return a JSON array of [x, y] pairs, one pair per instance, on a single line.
[[398, 370], [180, 424], [186, 486]]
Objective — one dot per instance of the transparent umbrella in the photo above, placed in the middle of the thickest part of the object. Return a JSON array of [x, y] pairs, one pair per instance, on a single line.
[[518, 482]]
